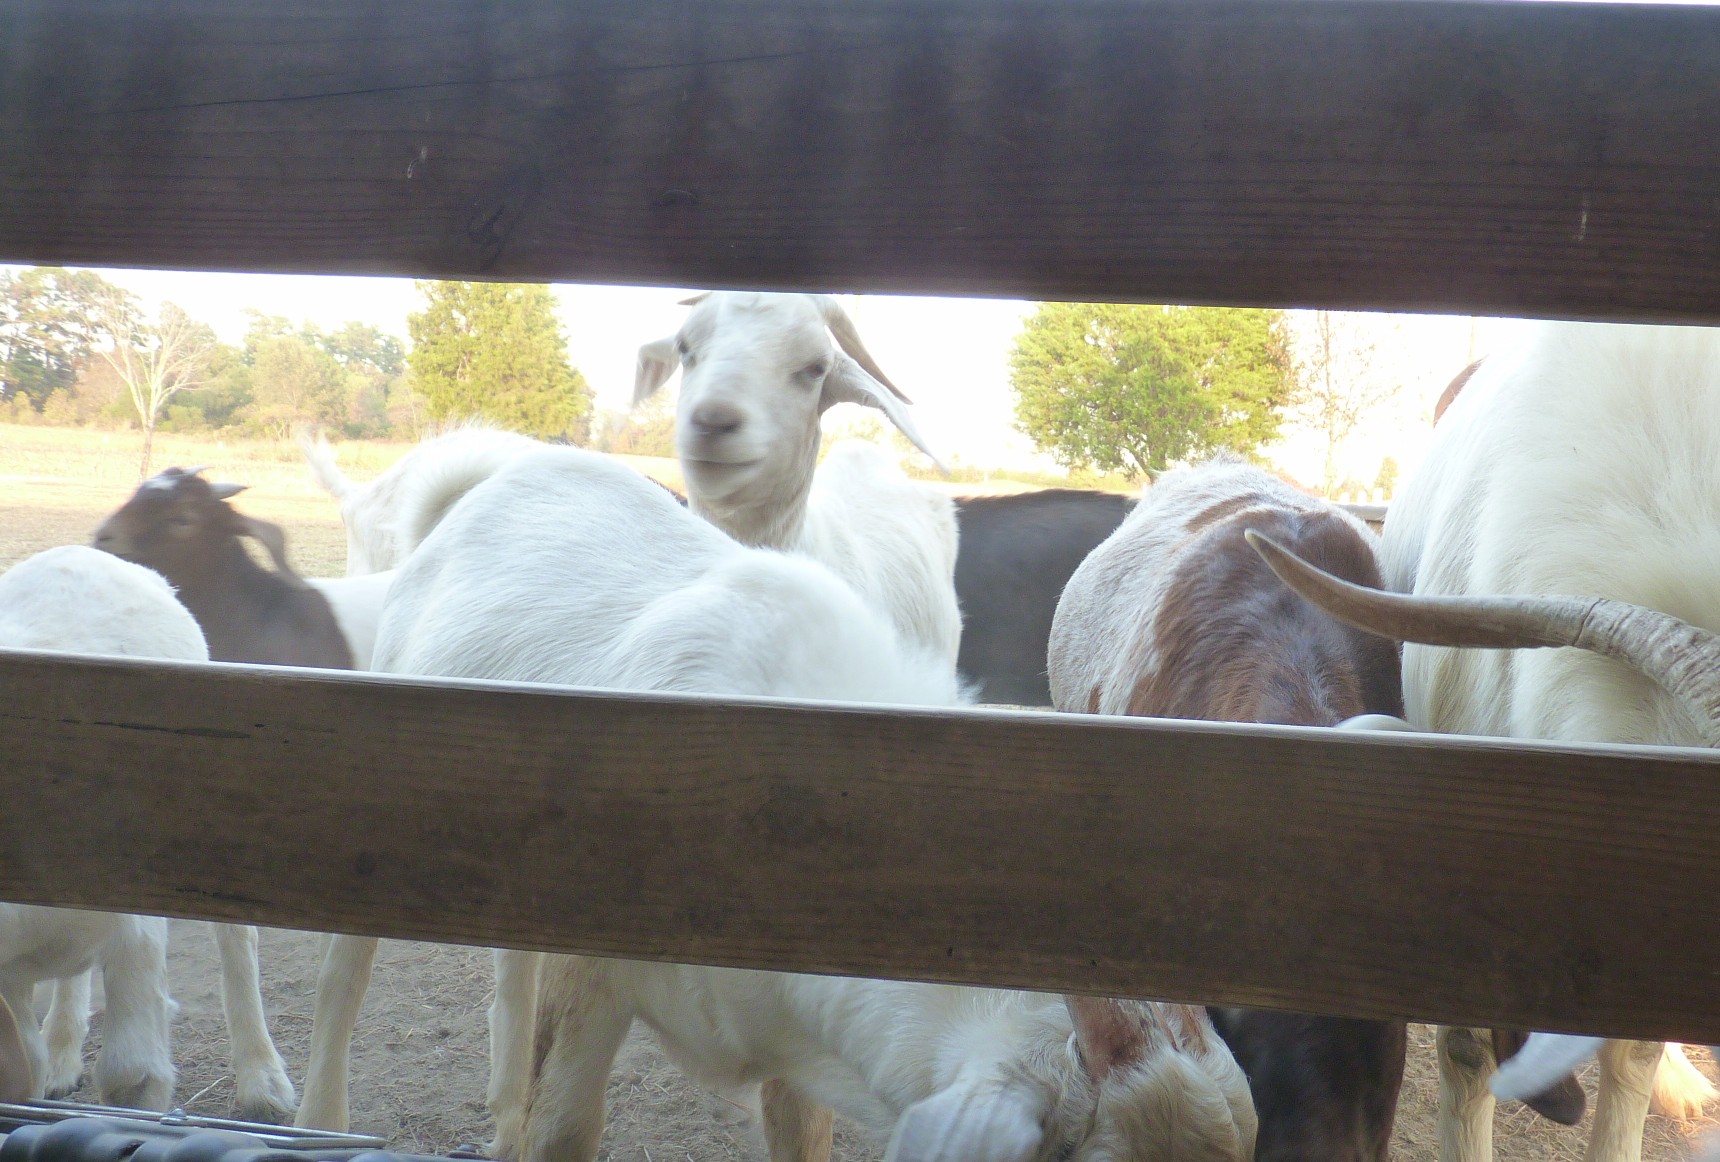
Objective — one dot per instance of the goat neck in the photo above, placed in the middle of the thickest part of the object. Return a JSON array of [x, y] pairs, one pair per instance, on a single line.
[[770, 511]]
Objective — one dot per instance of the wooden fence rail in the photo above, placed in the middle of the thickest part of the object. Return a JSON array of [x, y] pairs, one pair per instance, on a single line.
[[1557, 159], [1452, 880]]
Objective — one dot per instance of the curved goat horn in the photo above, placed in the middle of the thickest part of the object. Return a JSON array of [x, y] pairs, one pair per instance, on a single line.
[[1682, 658]]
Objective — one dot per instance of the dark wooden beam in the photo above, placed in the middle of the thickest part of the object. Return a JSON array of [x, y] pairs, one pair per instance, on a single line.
[[1541, 159], [1450, 880]]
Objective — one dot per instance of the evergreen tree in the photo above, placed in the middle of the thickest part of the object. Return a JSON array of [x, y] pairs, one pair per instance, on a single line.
[[496, 351]]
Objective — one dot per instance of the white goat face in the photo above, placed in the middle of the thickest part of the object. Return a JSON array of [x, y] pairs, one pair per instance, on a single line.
[[757, 372]]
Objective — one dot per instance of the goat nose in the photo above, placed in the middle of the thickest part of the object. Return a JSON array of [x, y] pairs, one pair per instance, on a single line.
[[716, 419]]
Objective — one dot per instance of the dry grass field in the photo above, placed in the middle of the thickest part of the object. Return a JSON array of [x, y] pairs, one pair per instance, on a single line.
[[420, 1059]]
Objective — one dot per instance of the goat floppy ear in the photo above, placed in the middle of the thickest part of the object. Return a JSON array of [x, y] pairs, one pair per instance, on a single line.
[[16, 1083], [969, 1123], [848, 338], [272, 538], [848, 382], [1111, 1034], [657, 362]]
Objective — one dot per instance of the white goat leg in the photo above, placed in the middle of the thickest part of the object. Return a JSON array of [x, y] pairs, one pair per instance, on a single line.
[[66, 1029], [513, 1015], [581, 1025], [264, 1094], [135, 1065], [1465, 1103], [341, 984], [1621, 1103]]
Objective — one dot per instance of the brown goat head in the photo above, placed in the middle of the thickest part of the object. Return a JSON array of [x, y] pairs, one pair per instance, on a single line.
[[180, 525]]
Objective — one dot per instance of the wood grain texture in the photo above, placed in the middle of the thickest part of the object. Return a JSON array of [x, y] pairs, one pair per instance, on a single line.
[[1538, 159], [1445, 880]]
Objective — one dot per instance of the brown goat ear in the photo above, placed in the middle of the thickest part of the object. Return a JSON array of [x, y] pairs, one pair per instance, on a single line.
[[227, 491], [1110, 1034], [272, 538]]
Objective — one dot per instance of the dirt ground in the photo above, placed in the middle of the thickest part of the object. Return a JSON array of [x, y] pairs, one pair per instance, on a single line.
[[420, 1055]]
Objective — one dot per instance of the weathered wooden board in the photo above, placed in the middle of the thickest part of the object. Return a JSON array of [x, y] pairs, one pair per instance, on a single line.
[[1444, 880], [1556, 159]]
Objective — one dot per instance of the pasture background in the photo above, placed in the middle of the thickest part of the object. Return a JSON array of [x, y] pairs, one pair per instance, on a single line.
[[420, 1056]]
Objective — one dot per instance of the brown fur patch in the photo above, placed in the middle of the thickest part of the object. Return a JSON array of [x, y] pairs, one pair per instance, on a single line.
[[1234, 644], [1213, 513]]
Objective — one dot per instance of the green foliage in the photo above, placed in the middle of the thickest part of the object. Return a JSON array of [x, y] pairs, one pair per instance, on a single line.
[[647, 430], [294, 382], [51, 322], [1133, 389], [221, 402], [496, 350]]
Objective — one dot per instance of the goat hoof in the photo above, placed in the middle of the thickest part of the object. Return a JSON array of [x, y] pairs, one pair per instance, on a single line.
[[269, 1098]]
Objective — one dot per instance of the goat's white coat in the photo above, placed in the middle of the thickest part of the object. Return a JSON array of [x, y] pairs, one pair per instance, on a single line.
[[746, 364], [1586, 464], [356, 602], [446, 465], [566, 567], [940, 1072], [571, 568], [81, 600]]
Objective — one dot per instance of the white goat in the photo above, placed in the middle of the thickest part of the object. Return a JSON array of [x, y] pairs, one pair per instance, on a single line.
[[1589, 463], [445, 465], [941, 1073], [757, 372], [566, 567], [85, 601]]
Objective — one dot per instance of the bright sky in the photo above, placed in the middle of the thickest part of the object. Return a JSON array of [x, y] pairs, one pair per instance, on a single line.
[[950, 355]]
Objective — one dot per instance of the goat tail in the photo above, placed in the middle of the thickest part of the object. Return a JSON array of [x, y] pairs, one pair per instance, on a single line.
[[1680, 1089], [320, 457]]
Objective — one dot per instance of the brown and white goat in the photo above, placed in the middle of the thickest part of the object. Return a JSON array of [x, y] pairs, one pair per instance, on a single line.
[[1175, 616], [181, 525]]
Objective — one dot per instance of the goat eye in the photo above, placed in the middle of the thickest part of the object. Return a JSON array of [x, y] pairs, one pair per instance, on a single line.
[[683, 351], [816, 369]]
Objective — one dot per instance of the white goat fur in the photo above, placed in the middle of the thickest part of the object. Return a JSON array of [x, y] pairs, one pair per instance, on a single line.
[[445, 465], [84, 601], [942, 1073], [1587, 464], [566, 567], [437, 473], [757, 373]]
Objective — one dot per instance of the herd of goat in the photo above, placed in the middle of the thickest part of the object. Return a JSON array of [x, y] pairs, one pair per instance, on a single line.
[[1571, 498]]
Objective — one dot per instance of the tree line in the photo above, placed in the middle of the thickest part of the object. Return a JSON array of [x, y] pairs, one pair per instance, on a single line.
[[77, 350]]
